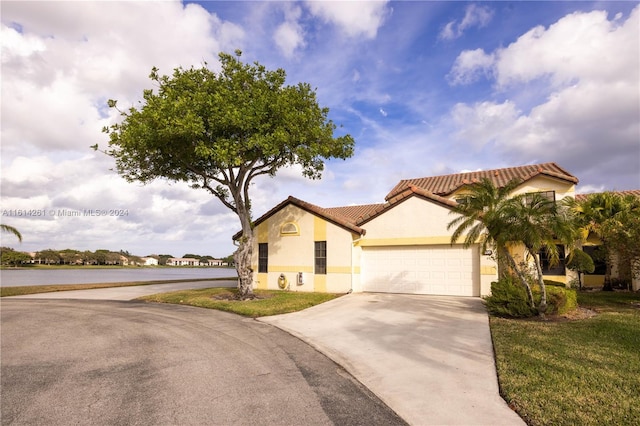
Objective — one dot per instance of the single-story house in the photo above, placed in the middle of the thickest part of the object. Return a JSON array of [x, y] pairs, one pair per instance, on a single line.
[[183, 261], [150, 261], [399, 246]]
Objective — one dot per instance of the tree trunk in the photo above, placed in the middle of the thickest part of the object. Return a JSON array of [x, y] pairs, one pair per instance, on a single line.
[[243, 255], [542, 308], [242, 258], [580, 280], [523, 279]]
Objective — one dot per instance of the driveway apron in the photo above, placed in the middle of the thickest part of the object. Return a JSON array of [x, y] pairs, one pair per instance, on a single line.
[[430, 358]]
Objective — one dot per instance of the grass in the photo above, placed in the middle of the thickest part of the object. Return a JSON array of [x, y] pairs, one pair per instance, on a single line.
[[34, 289], [269, 302], [583, 371]]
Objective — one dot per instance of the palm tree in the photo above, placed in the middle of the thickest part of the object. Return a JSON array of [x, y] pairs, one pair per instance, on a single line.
[[537, 223], [483, 219], [11, 230], [605, 215]]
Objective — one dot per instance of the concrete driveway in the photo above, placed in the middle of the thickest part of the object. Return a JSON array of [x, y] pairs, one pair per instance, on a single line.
[[430, 358], [86, 362]]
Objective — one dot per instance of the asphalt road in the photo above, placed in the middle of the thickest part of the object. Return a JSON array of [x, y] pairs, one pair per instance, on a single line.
[[79, 362]]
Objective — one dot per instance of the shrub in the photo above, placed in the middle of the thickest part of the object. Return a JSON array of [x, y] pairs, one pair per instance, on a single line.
[[508, 299], [561, 300], [554, 283]]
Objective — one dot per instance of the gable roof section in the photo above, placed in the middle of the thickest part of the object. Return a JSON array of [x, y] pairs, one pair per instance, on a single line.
[[447, 184], [407, 193], [331, 215]]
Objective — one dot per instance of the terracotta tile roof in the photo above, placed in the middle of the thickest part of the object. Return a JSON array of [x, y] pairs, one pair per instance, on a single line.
[[331, 215], [447, 184], [354, 213], [430, 188], [635, 192]]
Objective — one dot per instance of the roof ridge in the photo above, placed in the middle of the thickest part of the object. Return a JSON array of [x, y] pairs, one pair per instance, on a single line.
[[447, 184], [488, 171]]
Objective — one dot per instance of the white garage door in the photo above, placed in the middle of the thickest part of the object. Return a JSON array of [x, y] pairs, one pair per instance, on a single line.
[[442, 270]]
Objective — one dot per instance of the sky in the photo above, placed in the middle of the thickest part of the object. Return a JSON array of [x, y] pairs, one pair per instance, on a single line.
[[425, 88]]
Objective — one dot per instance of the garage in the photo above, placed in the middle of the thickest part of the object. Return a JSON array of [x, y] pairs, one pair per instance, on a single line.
[[437, 270]]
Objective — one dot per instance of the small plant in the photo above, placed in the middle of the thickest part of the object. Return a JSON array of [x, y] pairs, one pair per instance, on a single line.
[[561, 300], [509, 299], [581, 262]]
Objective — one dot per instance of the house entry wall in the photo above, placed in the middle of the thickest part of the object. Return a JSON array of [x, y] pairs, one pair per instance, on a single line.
[[437, 270]]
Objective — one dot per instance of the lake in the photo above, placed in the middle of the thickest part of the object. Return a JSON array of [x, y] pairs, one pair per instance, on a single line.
[[27, 276]]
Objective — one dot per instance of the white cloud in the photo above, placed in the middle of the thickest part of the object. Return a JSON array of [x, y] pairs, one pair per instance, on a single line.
[[484, 122], [578, 46], [355, 18], [474, 16], [585, 70], [57, 73], [289, 35], [470, 65]]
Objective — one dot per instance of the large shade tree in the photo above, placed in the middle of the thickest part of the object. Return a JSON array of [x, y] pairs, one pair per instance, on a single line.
[[220, 131]]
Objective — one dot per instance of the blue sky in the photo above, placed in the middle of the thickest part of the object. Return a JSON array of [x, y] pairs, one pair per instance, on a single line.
[[425, 88]]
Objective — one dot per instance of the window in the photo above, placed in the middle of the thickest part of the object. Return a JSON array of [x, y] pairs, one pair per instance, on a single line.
[[263, 257], [462, 200], [289, 228], [597, 254], [545, 262], [549, 195], [321, 257]]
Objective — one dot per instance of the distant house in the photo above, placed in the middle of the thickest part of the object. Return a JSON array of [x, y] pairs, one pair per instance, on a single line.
[[183, 261], [150, 261]]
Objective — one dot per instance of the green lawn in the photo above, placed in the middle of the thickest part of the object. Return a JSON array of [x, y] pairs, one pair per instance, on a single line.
[[578, 372], [269, 302]]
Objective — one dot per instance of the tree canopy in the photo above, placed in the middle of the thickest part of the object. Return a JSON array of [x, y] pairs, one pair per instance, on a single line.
[[219, 131], [11, 230]]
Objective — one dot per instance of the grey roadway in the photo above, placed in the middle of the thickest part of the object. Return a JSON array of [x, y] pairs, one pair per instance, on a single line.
[[430, 358], [89, 362]]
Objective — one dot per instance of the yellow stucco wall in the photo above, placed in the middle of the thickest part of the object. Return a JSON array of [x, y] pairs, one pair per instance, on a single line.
[[290, 254], [421, 222]]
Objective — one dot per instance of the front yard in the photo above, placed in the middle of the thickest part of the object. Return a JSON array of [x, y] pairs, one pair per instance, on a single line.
[[569, 372]]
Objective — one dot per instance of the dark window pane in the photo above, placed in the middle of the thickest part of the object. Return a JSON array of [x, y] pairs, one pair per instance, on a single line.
[[320, 257], [263, 257], [597, 254], [549, 195], [545, 262]]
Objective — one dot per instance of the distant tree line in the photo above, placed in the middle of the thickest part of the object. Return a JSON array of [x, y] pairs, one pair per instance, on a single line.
[[11, 257]]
